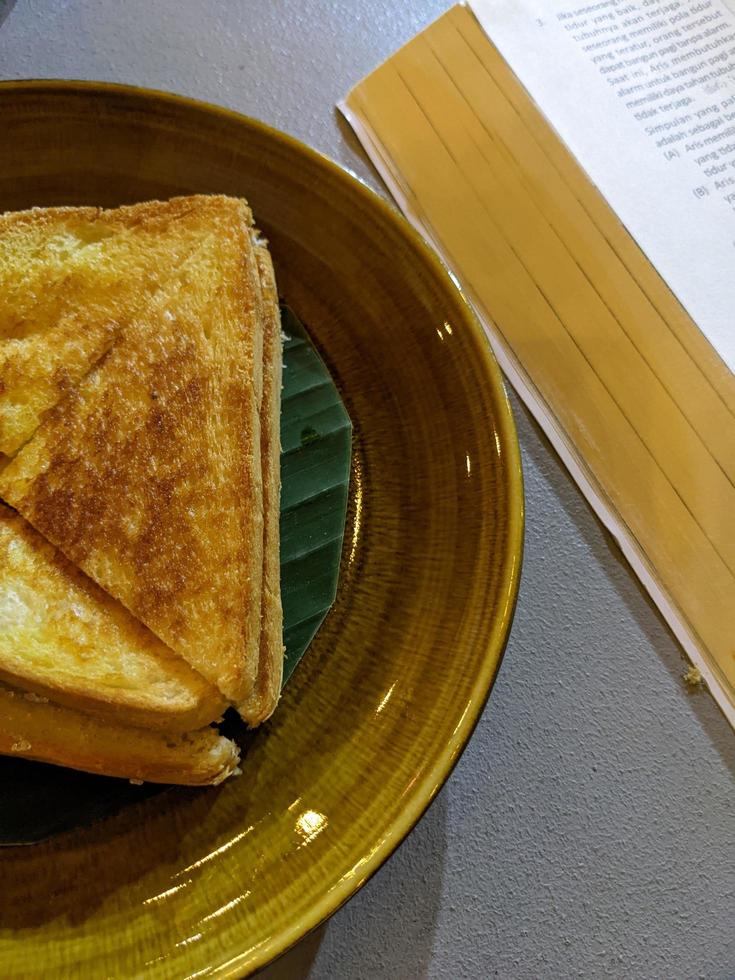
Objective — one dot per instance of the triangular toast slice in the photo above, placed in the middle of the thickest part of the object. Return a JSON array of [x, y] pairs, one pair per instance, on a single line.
[[33, 729], [70, 278], [147, 475], [263, 699], [63, 638]]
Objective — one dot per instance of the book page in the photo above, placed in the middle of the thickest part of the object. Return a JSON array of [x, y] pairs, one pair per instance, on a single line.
[[643, 94]]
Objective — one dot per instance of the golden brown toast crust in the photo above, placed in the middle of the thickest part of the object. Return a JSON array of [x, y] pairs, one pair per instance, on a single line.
[[148, 474], [263, 699], [70, 278], [30, 729], [64, 638]]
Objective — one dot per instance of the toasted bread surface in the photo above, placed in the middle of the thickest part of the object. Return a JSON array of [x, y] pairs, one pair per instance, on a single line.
[[70, 278], [147, 474], [63, 637], [262, 700], [33, 729]]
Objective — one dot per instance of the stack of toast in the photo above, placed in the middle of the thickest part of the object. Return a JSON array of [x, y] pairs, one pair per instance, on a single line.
[[140, 386]]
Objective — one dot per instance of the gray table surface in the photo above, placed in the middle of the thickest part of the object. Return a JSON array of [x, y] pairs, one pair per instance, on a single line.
[[589, 828]]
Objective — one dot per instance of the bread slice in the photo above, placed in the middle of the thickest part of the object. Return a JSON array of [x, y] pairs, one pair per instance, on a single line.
[[33, 729], [61, 636], [262, 700], [70, 278], [147, 475]]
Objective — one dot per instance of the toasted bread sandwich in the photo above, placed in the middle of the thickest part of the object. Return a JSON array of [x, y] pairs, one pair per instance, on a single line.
[[140, 360], [70, 278], [35, 729], [63, 638], [147, 474], [263, 698]]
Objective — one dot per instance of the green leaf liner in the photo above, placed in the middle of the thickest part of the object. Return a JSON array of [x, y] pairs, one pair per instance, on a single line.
[[39, 800], [316, 442]]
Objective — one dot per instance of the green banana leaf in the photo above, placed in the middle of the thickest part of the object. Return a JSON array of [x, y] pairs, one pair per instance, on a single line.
[[39, 800]]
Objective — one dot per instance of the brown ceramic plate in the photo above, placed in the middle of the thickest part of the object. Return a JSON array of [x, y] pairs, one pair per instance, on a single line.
[[220, 881]]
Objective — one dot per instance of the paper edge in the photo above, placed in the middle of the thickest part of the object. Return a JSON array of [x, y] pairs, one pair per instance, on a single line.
[[602, 508]]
